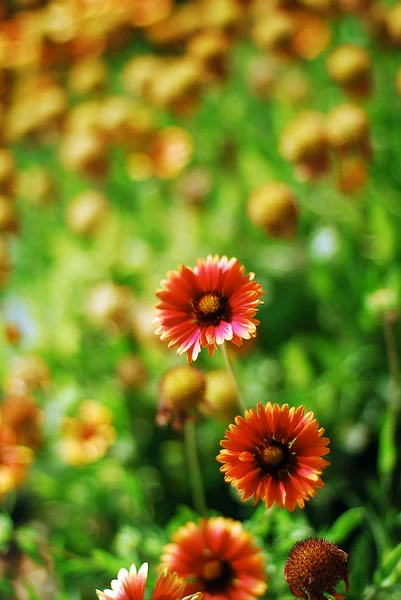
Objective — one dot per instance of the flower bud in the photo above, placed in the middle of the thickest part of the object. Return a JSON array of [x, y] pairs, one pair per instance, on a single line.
[[87, 212], [352, 174], [7, 173], [170, 151], [87, 76], [350, 67], [8, 216], [275, 32], [393, 23], [27, 373], [272, 208], [181, 389], [110, 305], [84, 152], [303, 143], [36, 185], [384, 305], [131, 371], [221, 395], [347, 129]]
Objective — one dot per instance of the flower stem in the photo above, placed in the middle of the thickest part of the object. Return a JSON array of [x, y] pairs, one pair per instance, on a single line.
[[229, 367], [198, 493], [394, 394]]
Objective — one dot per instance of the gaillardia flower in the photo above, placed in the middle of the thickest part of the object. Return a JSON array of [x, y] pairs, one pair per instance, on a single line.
[[207, 305], [130, 585], [275, 454], [314, 566], [217, 557]]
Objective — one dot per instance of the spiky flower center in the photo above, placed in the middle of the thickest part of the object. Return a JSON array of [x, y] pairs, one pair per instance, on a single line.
[[210, 308], [273, 456], [315, 566], [216, 575]]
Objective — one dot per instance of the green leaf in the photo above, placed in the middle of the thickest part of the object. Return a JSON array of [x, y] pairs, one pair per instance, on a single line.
[[390, 569], [387, 454], [346, 524]]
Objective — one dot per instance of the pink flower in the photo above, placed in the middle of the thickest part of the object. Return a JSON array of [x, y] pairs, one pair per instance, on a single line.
[[207, 305]]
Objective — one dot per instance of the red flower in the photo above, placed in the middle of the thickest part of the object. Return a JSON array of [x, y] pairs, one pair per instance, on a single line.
[[275, 454], [218, 558], [130, 585], [314, 567], [207, 305]]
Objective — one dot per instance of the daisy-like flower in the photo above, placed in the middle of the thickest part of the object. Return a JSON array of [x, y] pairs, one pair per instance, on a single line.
[[217, 557], [314, 567], [207, 305], [275, 454], [130, 585]]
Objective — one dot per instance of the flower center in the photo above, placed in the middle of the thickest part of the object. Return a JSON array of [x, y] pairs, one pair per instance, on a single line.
[[216, 575], [211, 570], [273, 456], [210, 308]]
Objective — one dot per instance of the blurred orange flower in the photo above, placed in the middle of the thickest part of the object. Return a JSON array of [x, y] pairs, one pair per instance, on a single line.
[[275, 454], [219, 558], [85, 439], [14, 461]]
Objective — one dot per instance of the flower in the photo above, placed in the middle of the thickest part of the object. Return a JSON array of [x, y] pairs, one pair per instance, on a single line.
[[86, 438], [15, 461], [275, 454], [181, 391], [207, 305], [130, 585], [217, 557], [314, 566]]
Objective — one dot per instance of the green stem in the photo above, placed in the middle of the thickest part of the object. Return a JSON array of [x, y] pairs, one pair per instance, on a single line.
[[229, 367], [393, 404], [198, 493]]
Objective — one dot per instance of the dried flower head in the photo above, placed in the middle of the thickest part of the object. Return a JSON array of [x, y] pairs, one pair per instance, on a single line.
[[275, 454], [130, 585], [314, 567], [219, 558], [207, 305]]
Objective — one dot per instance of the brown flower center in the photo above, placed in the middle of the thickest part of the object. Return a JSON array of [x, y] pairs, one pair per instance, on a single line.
[[273, 456], [210, 308], [315, 566], [211, 570], [216, 575]]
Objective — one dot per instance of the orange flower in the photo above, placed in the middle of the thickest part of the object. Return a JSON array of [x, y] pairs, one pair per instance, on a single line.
[[275, 454], [207, 305], [314, 567], [14, 461], [86, 439], [218, 558], [130, 585], [25, 418]]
